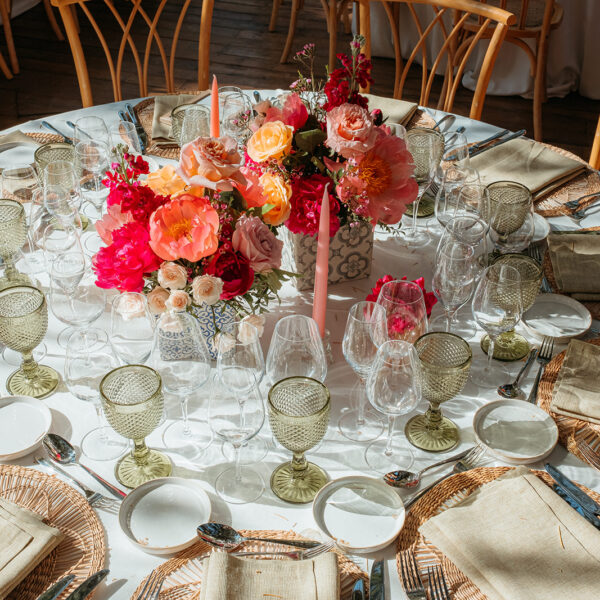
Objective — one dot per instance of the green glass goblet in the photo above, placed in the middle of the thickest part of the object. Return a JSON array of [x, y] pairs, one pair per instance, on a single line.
[[509, 205], [444, 365], [13, 235], [132, 399], [23, 325], [299, 415]]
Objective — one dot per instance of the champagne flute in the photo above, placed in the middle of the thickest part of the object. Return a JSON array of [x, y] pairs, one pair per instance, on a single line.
[[131, 328], [394, 389], [366, 330]]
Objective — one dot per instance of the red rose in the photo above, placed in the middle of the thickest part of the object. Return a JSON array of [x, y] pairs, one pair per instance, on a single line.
[[235, 272]]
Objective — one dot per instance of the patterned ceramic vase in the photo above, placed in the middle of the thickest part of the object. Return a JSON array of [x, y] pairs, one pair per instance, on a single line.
[[211, 318]]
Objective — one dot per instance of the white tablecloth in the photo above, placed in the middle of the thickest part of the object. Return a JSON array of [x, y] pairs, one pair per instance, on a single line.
[[572, 56], [72, 418]]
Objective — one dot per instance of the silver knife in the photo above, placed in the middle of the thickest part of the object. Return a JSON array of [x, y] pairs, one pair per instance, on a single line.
[[138, 127], [358, 591], [88, 586], [56, 590], [377, 581], [482, 143], [573, 491], [51, 127], [508, 138]]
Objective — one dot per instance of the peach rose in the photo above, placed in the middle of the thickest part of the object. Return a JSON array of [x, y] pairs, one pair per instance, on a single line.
[[211, 162], [207, 289], [271, 142], [131, 305], [166, 182], [256, 242], [157, 299], [222, 342], [251, 328], [172, 276], [350, 130], [277, 193], [178, 300]]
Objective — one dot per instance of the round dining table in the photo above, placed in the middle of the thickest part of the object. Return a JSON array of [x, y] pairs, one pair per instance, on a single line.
[[73, 418]]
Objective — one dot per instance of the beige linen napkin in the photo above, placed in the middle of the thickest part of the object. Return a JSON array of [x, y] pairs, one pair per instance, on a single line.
[[575, 257], [230, 578], [528, 163], [394, 111], [24, 542], [518, 540], [16, 138], [576, 392], [163, 105]]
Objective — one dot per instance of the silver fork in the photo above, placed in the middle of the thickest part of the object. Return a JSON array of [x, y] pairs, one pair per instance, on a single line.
[[152, 588], [582, 213], [438, 589], [468, 462], [574, 204], [591, 452], [94, 498], [411, 580], [543, 358]]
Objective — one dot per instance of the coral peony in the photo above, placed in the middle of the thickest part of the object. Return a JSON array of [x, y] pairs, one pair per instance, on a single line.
[[350, 130], [235, 272], [112, 220], [271, 142], [255, 241], [211, 162], [186, 227]]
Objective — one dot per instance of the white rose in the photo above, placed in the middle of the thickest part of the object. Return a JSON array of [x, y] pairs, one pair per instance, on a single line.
[[157, 299], [178, 300], [172, 276], [207, 289], [251, 328]]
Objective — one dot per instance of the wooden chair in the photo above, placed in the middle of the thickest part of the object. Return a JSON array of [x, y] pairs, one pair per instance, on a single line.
[[595, 156], [448, 17], [130, 38], [535, 20]]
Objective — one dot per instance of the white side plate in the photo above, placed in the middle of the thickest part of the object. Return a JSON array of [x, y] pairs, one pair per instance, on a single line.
[[24, 421], [541, 228], [515, 431], [161, 516], [360, 513], [557, 316]]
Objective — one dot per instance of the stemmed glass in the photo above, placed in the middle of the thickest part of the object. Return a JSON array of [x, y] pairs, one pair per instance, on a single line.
[[296, 349], [91, 128], [405, 309], [236, 422], [133, 403], [394, 389], [235, 114], [448, 202], [13, 234], [366, 330], [510, 215], [497, 307], [88, 358], [19, 183], [62, 173], [180, 356], [23, 325], [426, 147], [92, 160], [58, 203], [125, 134], [131, 328], [468, 229]]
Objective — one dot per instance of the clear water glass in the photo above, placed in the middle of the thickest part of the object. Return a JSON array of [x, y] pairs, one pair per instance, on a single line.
[[195, 123]]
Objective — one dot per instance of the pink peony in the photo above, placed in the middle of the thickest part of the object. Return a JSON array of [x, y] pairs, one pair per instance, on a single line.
[[112, 220], [293, 113], [350, 130], [256, 242]]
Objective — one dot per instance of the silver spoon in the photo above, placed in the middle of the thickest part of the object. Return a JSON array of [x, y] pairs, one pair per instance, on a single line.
[[223, 536], [512, 390], [408, 479], [61, 451]]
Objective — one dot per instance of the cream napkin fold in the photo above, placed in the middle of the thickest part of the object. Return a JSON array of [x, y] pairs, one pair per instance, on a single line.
[[24, 542], [163, 105], [528, 163], [16, 138], [231, 578], [576, 392], [575, 258], [394, 111], [516, 539]]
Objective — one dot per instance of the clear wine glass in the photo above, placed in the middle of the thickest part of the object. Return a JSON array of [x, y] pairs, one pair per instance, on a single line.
[[235, 114], [447, 198], [124, 133], [89, 358], [56, 239], [180, 356], [57, 200], [366, 330], [92, 160], [497, 307], [456, 149], [393, 388], [468, 229], [19, 182], [91, 128], [131, 328]]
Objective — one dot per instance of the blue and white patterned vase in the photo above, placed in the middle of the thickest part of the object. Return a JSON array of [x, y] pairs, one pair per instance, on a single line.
[[220, 314]]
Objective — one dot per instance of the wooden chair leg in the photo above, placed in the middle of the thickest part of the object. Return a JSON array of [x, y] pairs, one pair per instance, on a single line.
[[595, 156], [4, 68], [10, 43], [291, 31], [333, 25], [346, 16], [539, 88], [274, 14], [52, 20]]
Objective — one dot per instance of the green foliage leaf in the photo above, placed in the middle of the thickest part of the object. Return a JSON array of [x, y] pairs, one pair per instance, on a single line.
[[309, 140]]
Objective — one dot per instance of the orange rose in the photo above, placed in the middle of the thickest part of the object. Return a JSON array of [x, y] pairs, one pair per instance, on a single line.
[[166, 182], [272, 141], [277, 193]]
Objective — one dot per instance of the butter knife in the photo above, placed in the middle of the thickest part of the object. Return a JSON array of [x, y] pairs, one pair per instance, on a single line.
[[56, 590], [589, 517], [377, 581], [138, 127], [358, 591], [508, 138], [88, 586], [482, 143], [573, 491]]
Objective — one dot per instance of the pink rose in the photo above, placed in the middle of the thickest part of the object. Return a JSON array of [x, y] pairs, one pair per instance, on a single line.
[[178, 300], [350, 130], [157, 299], [211, 162], [172, 276], [256, 242]]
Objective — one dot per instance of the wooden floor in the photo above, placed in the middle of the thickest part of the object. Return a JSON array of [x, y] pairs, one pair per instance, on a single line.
[[243, 52]]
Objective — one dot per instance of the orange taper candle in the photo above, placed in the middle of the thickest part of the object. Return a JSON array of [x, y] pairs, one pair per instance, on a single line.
[[214, 109], [322, 266]]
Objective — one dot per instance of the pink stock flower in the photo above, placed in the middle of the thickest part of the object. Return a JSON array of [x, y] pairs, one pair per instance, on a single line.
[[350, 130], [112, 220]]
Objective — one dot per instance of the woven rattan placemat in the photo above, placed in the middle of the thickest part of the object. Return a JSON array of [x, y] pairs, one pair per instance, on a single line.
[[441, 497], [183, 574], [571, 431], [83, 550]]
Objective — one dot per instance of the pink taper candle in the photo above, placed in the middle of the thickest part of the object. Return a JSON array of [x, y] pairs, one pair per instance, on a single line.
[[214, 109], [322, 267]]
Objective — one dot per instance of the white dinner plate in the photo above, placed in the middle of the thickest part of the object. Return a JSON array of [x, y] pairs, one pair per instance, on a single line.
[[24, 421], [161, 516], [557, 316], [515, 431], [541, 228], [361, 514]]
